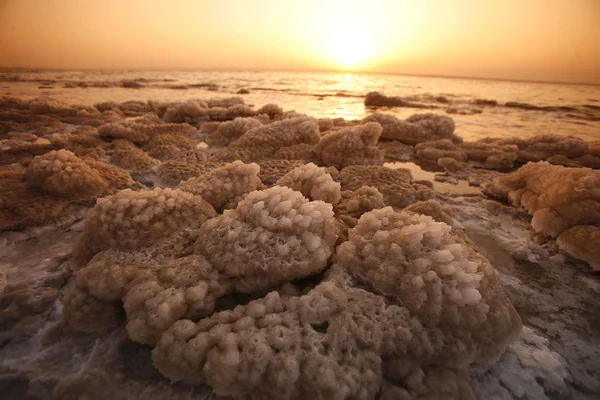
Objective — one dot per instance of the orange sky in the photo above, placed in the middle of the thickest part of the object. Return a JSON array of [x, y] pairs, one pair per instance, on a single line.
[[551, 40]]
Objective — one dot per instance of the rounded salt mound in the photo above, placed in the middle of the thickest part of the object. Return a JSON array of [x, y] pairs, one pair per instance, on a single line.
[[273, 235], [425, 266], [132, 220], [313, 182], [62, 173], [406, 298]]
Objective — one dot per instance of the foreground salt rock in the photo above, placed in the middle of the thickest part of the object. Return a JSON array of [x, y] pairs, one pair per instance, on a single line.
[[161, 269], [562, 201], [416, 128], [274, 235], [407, 301]]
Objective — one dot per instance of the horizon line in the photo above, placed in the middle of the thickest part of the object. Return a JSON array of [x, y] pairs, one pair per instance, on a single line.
[[308, 70]]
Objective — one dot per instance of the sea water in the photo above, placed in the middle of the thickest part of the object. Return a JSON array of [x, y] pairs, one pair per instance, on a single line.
[[522, 109]]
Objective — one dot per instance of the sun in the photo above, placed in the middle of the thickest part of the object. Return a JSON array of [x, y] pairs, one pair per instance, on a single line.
[[351, 45]]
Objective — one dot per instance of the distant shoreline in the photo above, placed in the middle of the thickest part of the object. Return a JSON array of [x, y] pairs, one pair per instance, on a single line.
[[333, 71]]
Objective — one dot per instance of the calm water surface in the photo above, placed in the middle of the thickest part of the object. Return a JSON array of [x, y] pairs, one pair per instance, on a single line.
[[562, 109]]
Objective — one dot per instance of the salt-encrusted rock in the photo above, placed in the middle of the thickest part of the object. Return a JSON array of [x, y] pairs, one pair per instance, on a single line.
[[416, 128], [63, 174], [231, 130], [313, 182], [561, 201], [132, 220], [272, 235], [356, 145], [406, 300], [220, 185], [394, 184]]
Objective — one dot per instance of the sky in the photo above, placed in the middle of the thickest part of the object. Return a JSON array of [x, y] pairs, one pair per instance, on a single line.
[[541, 40]]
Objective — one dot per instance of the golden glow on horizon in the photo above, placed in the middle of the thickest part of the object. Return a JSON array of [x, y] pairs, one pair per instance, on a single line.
[[514, 39]]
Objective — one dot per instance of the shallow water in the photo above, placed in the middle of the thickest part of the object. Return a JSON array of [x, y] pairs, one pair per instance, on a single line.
[[418, 173], [568, 109]]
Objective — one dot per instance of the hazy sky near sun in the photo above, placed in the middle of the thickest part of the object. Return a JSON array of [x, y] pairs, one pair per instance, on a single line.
[[552, 40]]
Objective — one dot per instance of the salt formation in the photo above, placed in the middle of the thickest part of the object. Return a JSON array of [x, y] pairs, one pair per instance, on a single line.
[[127, 108], [462, 170], [197, 111], [567, 151], [225, 102], [127, 156], [351, 146], [265, 140], [188, 111], [355, 203], [47, 105], [341, 339], [529, 369], [583, 242], [559, 199], [435, 149], [395, 151], [272, 170], [313, 182], [432, 208], [142, 132], [304, 151], [55, 186], [416, 128], [325, 124], [133, 220], [273, 236], [394, 184], [165, 152], [491, 156], [224, 185], [229, 113], [81, 142], [180, 141], [173, 172], [312, 288], [376, 99], [453, 166], [543, 146], [231, 130], [63, 174], [272, 110]]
